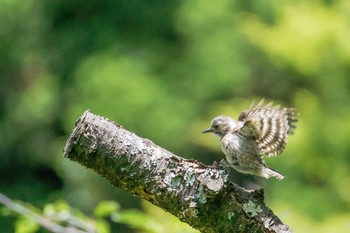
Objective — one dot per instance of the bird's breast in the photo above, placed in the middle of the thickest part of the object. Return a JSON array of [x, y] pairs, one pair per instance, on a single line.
[[237, 147]]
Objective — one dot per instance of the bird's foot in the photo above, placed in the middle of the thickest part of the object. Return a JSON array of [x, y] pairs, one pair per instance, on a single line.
[[222, 165]]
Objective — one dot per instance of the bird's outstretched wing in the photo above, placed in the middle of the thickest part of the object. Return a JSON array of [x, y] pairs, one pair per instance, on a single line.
[[269, 125]]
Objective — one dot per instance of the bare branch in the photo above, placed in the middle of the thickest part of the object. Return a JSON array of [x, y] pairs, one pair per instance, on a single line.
[[199, 195], [46, 223]]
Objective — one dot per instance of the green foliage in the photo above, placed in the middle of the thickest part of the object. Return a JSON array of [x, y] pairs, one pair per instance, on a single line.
[[163, 70], [59, 215], [153, 220], [106, 208], [24, 225]]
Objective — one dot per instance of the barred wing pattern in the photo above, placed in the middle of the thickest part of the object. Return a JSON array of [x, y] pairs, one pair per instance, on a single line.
[[269, 126]]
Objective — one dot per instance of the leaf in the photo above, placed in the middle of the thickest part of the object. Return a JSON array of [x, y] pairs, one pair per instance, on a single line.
[[49, 210], [106, 208], [4, 211], [61, 205], [25, 225], [102, 226]]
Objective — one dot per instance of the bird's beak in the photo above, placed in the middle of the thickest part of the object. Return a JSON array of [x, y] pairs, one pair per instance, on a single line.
[[210, 130]]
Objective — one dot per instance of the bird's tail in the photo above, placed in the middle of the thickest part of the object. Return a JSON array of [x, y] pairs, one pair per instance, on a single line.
[[268, 172]]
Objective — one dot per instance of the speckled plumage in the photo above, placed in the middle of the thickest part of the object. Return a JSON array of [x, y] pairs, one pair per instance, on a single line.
[[261, 130]]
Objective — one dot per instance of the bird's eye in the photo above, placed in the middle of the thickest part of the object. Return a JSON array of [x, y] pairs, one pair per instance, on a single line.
[[215, 126]]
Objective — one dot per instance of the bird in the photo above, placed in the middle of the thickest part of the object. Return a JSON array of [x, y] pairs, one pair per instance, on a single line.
[[260, 130]]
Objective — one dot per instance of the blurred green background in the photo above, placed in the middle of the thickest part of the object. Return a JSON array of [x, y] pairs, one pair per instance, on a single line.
[[163, 69]]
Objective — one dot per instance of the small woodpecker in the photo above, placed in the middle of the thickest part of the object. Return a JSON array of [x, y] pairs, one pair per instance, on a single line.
[[261, 130]]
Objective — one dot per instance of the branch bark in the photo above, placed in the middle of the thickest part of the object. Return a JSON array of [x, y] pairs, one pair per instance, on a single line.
[[199, 195]]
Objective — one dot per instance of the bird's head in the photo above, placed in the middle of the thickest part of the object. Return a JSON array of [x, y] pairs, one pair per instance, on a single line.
[[221, 125]]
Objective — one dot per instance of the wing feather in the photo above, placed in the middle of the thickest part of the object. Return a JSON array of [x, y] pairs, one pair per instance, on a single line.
[[269, 125]]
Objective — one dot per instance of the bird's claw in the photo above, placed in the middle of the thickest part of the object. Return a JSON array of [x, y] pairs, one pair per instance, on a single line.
[[215, 165], [222, 165]]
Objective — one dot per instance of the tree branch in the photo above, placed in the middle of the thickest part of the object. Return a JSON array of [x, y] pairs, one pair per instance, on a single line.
[[46, 222], [199, 195]]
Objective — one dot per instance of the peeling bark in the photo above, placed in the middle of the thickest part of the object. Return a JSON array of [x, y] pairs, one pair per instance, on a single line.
[[199, 195]]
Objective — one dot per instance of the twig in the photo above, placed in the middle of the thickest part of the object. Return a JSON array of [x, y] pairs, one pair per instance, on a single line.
[[46, 223]]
